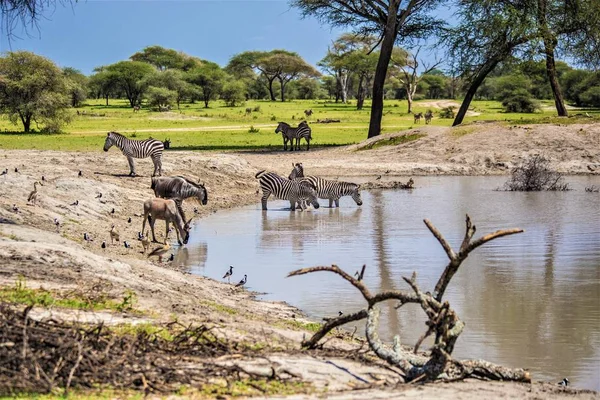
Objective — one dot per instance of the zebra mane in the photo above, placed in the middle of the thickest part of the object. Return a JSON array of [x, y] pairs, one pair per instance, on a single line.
[[113, 133]]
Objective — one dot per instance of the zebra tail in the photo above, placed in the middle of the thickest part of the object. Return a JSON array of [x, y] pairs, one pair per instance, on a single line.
[[259, 174]]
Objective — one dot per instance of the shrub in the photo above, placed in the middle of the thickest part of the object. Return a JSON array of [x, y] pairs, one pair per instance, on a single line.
[[534, 174], [273, 118], [253, 129], [233, 93], [519, 101], [256, 109], [161, 98], [591, 97], [447, 112]]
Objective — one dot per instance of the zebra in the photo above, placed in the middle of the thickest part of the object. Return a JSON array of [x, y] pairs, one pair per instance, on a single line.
[[428, 116], [326, 189], [293, 190], [289, 133], [178, 188], [418, 117], [137, 149]]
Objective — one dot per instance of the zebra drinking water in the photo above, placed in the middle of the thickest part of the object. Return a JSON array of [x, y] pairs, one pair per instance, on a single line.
[[293, 190], [289, 134], [326, 189], [137, 149]]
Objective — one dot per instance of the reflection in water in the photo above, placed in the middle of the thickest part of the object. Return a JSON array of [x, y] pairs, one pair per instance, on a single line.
[[530, 300], [193, 256]]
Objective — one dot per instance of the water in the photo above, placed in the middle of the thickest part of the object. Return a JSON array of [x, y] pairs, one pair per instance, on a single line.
[[530, 300]]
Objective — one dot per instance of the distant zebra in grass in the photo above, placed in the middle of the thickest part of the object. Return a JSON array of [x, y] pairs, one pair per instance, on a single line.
[[428, 116], [137, 149], [302, 131], [179, 188], [294, 191], [326, 189]]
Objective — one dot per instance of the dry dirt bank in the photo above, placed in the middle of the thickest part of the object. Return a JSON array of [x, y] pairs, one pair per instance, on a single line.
[[31, 247]]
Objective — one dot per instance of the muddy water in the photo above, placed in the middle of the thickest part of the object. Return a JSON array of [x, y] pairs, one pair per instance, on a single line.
[[531, 300]]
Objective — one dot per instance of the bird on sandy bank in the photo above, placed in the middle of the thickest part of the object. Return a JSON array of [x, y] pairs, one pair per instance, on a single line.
[[129, 220], [103, 244], [564, 382], [75, 203], [99, 195], [16, 170], [5, 172], [160, 251], [32, 198], [378, 178], [86, 237], [145, 243], [43, 179], [243, 281], [228, 274], [126, 244], [140, 236], [112, 211], [57, 224], [171, 257], [114, 235], [340, 313], [15, 208], [80, 173]]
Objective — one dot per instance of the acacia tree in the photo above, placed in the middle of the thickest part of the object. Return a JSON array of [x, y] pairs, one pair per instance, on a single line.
[[173, 80], [33, 89], [392, 20], [408, 65], [291, 66], [76, 84], [103, 83], [160, 57], [131, 78], [210, 79]]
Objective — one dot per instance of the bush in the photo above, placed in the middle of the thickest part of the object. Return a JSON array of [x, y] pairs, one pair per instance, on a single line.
[[534, 174], [256, 109], [233, 93], [253, 129], [591, 97], [161, 98], [273, 118], [519, 101], [447, 112]]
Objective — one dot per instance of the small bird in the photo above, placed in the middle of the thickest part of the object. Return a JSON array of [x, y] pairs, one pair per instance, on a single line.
[[145, 243], [76, 203], [57, 223], [243, 281], [378, 178], [564, 382], [113, 211], [15, 208], [228, 274], [16, 170], [103, 244], [129, 220], [80, 173], [43, 179], [5, 172], [160, 251], [388, 171], [140, 236], [33, 195], [127, 245], [114, 235], [340, 313], [86, 237], [99, 195], [171, 257]]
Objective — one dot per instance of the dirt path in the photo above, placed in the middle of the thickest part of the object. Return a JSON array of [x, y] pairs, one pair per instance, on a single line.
[[31, 247]]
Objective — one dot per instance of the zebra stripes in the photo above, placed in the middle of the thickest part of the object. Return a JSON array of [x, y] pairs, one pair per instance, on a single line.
[[285, 189], [137, 149], [302, 131]]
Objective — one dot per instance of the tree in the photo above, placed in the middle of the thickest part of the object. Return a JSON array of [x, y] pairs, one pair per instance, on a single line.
[[131, 77], [76, 84], [103, 83], [210, 79], [25, 13], [392, 20], [160, 57], [233, 92], [173, 80], [290, 66], [409, 77], [160, 97], [33, 89]]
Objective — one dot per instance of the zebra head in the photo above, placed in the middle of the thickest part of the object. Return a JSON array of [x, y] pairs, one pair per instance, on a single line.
[[309, 192], [356, 195], [297, 171], [110, 140], [281, 127]]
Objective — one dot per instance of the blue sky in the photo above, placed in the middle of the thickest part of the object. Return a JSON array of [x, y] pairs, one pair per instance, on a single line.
[[100, 32]]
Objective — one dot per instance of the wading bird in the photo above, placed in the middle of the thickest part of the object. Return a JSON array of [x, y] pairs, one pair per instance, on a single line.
[[57, 224], [228, 274], [160, 251], [99, 195], [75, 203], [145, 243], [129, 220], [15, 208], [127, 245], [243, 281], [80, 173], [564, 382], [114, 235], [32, 198], [103, 244], [171, 257]]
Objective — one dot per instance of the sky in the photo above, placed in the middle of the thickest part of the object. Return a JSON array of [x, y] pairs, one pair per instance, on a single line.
[[100, 32]]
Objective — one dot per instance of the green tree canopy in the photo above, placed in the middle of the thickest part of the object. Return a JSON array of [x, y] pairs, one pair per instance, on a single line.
[[161, 57], [33, 89], [131, 78], [210, 79], [76, 85]]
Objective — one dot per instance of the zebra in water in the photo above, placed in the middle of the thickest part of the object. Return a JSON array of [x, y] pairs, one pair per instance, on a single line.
[[293, 190], [289, 134], [326, 189], [137, 149], [179, 188]]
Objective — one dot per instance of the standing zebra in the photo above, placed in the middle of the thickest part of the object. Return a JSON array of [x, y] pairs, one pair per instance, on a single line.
[[326, 189], [289, 133], [137, 149], [285, 189]]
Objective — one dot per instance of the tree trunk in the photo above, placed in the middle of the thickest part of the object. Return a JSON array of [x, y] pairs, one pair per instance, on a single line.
[[271, 89], [282, 84], [360, 96], [409, 100], [477, 81], [550, 43], [26, 119], [107, 100], [343, 78], [385, 55]]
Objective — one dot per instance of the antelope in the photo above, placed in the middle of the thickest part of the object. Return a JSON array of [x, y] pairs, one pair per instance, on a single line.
[[167, 210]]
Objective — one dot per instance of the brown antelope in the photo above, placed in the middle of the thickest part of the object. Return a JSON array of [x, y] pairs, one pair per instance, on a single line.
[[166, 209]]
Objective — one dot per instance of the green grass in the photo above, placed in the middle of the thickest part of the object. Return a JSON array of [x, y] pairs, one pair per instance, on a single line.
[[19, 293], [219, 307], [392, 141], [461, 131], [227, 128], [298, 325]]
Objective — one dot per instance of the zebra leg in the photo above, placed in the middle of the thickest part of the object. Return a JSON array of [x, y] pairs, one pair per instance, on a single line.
[[307, 144], [330, 202], [263, 200], [337, 203], [157, 166], [284, 143], [131, 166]]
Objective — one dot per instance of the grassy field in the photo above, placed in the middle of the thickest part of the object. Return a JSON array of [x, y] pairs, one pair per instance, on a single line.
[[194, 127]]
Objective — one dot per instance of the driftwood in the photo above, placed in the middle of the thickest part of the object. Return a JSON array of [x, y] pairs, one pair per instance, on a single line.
[[443, 322]]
